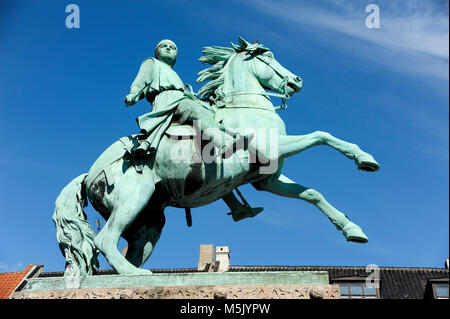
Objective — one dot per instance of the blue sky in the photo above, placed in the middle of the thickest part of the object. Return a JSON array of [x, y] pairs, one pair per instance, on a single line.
[[386, 89]]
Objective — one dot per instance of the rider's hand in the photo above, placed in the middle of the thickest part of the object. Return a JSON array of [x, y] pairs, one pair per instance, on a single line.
[[130, 99]]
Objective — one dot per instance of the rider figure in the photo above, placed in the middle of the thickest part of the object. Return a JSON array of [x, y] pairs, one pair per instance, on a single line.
[[163, 88]]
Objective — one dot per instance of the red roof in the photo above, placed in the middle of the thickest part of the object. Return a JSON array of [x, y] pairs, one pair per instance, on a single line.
[[10, 280]]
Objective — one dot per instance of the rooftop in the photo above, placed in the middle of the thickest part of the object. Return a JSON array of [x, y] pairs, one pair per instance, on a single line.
[[10, 280], [395, 282]]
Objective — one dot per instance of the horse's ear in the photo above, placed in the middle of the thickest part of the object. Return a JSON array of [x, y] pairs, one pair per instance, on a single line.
[[243, 43], [235, 47]]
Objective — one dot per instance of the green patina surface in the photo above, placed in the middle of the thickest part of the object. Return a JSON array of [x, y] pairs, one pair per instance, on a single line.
[[231, 117], [187, 279]]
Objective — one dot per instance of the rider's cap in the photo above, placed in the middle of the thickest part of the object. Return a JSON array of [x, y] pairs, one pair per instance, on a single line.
[[165, 40]]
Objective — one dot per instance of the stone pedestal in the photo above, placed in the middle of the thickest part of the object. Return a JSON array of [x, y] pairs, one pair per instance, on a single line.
[[228, 285]]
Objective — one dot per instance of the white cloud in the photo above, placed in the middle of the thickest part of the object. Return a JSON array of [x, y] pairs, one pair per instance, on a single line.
[[3, 266], [413, 35]]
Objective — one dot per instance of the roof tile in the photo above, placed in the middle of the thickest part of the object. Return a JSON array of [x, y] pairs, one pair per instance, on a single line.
[[9, 281]]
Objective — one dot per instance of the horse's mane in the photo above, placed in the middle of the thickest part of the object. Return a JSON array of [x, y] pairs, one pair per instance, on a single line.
[[218, 57]]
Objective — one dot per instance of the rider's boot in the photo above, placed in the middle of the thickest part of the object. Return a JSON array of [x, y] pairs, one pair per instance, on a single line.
[[238, 210]]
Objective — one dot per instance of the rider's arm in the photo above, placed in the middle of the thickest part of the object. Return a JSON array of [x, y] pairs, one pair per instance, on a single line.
[[143, 78]]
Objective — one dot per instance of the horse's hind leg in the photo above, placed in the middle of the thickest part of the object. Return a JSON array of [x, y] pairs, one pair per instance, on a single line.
[[144, 233], [285, 187], [131, 193]]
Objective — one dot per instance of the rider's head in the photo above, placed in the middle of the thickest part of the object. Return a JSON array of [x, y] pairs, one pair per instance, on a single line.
[[166, 51]]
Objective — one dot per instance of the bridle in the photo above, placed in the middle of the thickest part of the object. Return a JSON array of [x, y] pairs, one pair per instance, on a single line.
[[219, 101]]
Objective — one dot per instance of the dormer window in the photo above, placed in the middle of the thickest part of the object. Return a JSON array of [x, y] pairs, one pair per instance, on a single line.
[[436, 288], [440, 290], [356, 288]]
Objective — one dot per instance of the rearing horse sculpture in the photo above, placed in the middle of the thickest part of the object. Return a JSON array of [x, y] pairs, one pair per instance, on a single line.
[[132, 193]]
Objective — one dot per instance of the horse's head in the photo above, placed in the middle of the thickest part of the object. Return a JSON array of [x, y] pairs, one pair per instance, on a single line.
[[240, 75], [270, 74]]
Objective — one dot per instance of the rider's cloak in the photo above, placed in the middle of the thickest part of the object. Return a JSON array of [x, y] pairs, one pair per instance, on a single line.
[[164, 89]]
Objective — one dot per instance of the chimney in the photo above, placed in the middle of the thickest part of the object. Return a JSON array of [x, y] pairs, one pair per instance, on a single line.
[[222, 258], [206, 258]]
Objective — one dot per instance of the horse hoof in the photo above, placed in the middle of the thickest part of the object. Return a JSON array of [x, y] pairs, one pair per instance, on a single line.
[[355, 234], [367, 163], [142, 272]]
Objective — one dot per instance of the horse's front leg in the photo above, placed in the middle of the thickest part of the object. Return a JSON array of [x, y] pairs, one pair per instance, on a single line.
[[284, 186], [130, 195], [289, 145]]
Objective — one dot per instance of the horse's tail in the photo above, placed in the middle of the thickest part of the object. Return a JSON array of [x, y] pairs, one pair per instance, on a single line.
[[73, 232]]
